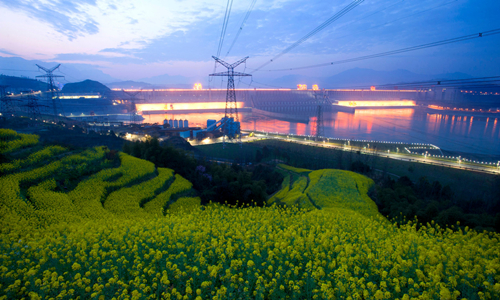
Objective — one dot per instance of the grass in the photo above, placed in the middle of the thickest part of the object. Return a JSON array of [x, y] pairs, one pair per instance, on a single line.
[[326, 189], [465, 184]]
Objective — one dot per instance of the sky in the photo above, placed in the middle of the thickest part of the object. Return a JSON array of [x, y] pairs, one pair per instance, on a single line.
[[133, 40]]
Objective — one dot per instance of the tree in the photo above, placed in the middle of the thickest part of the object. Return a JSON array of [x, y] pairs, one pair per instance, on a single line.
[[258, 156]]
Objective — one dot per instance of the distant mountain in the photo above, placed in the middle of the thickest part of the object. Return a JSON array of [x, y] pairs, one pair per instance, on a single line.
[[451, 76], [86, 86], [19, 84], [16, 66], [166, 79], [358, 77], [129, 84]]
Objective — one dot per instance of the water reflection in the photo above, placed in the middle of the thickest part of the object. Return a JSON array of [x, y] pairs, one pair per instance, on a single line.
[[475, 134]]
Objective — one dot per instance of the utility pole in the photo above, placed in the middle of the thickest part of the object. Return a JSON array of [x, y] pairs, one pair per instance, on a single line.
[[53, 93], [231, 111]]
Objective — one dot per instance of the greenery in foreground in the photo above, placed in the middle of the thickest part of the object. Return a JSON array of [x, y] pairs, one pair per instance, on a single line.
[[469, 198], [224, 183], [120, 232]]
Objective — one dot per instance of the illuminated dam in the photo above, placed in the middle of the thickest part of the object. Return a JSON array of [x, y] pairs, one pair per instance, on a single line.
[[160, 101]]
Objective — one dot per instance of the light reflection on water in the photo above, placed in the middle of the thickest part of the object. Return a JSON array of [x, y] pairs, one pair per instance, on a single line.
[[474, 134]]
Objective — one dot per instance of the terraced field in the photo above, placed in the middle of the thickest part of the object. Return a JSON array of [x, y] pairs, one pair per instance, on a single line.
[[53, 185], [87, 225], [326, 189]]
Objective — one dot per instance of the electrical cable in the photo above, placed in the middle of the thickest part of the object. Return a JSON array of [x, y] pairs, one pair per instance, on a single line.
[[403, 50], [332, 19], [395, 20], [224, 26], [438, 82], [250, 9]]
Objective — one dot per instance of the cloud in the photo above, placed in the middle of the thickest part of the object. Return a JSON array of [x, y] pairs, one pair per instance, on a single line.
[[3, 51], [66, 17], [82, 57]]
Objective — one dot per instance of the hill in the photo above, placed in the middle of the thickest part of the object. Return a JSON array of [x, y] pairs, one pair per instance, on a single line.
[[15, 66], [19, 84], [129, 84], [86, 86], [96, 224], [360, 77], [326, 189]]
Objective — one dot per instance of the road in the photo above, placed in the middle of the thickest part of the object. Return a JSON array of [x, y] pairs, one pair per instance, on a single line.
[[403, 157]]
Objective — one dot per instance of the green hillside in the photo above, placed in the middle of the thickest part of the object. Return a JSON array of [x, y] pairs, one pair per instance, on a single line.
[[97, 224], [326, 189], [49, 185], [22, 83], [86, 86]]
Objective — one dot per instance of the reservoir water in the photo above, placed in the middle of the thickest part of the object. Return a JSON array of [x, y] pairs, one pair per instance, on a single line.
[[460, 133]]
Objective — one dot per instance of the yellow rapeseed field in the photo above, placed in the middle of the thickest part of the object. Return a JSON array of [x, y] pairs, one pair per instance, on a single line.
[[173, 248]]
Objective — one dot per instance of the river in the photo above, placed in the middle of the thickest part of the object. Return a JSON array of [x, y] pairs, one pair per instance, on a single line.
[[458, 133]]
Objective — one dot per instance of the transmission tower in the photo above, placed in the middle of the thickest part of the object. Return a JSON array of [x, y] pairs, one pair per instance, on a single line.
[[321, 100], [53, 94], [7, 102], [133, 111], [231, 111], [33, 107]]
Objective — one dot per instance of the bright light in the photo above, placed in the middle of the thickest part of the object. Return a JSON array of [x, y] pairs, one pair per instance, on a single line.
[[315, 87], [184, 106], [197, 86], [361, 103], [80, 96], [372, 88], [302, 87]]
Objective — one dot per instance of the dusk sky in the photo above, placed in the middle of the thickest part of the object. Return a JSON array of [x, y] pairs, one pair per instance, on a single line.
[[130, 40]]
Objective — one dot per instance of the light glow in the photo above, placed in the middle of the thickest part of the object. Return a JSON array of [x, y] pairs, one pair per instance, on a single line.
[[361, 103], [184, 106], [197, 86], [315, 87], [302, 87], [79, 97]]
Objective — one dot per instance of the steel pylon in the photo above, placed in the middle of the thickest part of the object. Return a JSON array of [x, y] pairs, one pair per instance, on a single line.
[[231, 110], [53, 92]]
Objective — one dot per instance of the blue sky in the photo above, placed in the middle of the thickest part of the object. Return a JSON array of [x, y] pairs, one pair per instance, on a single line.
[[130, 40]]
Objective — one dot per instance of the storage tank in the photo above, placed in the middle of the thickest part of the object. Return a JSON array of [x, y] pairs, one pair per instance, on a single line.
[[181, 124], [176, 123], [171, 123], [186, 123]]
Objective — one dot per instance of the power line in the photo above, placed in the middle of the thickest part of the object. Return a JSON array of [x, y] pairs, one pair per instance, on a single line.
[[403, 50], [224, 25], [442, 82], [332, 19], [241, 26], [395, 20], [37, 71]]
